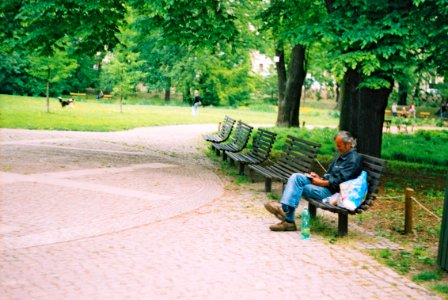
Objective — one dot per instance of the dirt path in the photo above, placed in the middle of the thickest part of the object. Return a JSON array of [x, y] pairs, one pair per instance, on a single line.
[[143, 214]]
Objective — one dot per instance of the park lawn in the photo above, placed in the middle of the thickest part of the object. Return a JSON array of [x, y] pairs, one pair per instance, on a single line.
[[30, 113]]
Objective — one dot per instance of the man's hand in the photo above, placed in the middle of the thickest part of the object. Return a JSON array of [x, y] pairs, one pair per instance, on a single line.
[[314, 175], [317, 180]]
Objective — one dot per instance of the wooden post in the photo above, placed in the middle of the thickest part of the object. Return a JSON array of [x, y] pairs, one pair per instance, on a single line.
[[409, 193], [442, 258]]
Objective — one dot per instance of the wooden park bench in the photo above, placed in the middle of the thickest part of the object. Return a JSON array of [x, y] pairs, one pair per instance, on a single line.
[[424, 114], [107, 97], [297, 157], [78, 95], [262, 145], [238, 142], [375, 168], [225, 129]]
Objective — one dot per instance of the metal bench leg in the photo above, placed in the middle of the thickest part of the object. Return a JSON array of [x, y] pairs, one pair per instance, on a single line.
[[342, 224], [267, 185], [224, 155], [241, 168], [312, 209]]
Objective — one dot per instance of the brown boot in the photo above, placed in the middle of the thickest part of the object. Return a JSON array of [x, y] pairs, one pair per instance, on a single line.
[[275, 209], [284, 226]]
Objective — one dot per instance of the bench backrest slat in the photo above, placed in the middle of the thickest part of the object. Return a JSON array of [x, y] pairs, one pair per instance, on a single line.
[[374, 167], [263, 142], [226, 127], [298, 155], [242, 134]]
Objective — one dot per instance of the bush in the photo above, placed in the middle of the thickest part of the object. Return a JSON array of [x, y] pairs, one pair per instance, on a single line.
[[422, 147]]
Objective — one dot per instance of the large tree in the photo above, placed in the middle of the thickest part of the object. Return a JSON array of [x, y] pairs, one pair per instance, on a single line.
[[45, 28], [376, 42], [283, 18], [90, 25], [207, 38], [190, 22], [124, 70], [52, 69]]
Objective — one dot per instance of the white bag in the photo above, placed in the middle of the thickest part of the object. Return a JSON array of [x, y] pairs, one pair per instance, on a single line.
[[353, 192]]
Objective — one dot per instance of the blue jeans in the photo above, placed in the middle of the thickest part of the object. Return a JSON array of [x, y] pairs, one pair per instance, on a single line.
[[299, 185], [195, 109]]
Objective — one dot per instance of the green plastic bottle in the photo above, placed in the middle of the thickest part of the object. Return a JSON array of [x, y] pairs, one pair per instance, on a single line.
[[305, 228]]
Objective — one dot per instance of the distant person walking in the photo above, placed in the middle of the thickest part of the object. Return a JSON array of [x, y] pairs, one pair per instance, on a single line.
[[394, 109], [196, 102], [412, 110]]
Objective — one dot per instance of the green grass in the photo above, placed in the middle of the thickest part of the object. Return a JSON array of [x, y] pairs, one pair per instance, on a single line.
[[426, 276], [30, 113], [424, 147], [403, 261], [441, 288]]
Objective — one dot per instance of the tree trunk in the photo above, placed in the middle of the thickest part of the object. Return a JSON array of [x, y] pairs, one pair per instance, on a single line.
[[362, 113], [288, 116], [281, 81], [187, 95], [340, 90], [48, 91], [121, 103], [168, 89], [417, 88], [402, 94]]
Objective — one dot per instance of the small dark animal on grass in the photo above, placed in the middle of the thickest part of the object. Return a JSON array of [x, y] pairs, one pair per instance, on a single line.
[[66, 102]]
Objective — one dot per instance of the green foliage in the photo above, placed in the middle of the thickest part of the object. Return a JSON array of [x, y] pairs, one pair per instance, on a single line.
[[273, 196], [84, 76], [404, 261], [385, 253], [441, 288], [89, 25], [123, 72], [426, 276], [221, 80], [14, 78], [194, 23], [382, 39], [432, 147], [33, 31], [322, 226], [322, 136], [52, 68], [424, 147]]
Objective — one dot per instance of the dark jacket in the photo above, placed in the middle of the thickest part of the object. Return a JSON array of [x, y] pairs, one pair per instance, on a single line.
[[196, 99], [343, 168]]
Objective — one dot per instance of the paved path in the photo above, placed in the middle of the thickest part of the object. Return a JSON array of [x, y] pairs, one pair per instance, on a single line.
[[143, 214]]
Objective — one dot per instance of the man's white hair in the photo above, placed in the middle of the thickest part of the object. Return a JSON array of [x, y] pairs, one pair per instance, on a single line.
[[346, 137]]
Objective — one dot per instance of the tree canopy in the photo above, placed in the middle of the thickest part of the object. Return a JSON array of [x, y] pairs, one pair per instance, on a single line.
[[370, 46]]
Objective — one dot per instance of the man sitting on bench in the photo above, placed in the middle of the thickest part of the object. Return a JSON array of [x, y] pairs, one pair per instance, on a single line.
[[346, 166]]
